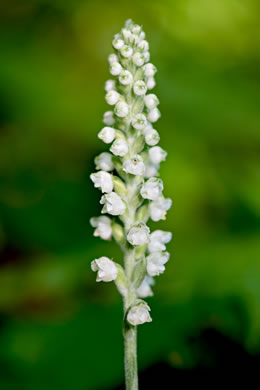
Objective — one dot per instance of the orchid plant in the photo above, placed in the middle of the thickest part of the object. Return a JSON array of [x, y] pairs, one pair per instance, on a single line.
[[128, 177]]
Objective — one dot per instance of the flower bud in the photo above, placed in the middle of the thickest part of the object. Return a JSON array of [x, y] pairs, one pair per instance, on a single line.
[[110, 85], [138, 59], [112, 58], [135, 165], [107, 271], [103, 227], [118, 43], [159, 207], [139, 121], [108, 118], [154, 115], [149, 70], [144, 290], [155, 263], [139, 314], [115, 69], [107, 134], [138, 234], [104, 162], [140, 88], [119, 147], [152, 137], [150, 83], [152, 188], [121, 109], [157, 154], [102, 180], [151, 101], [126, 51], [112, 97], [113, 204], [125, 77]]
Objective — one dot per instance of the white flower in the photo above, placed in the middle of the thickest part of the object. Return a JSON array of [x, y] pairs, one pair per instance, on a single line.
[[146, 55], [152, 188], [119, 147], [110, 85], [150, 83], [112, 97], [103, 227], [143, 45], [112, 58], [104, 162], [155, 263], [144, 290], [142, 35], [149, 70], [151, 101], [127, 34], [125, 77], [136, 29], [118, 43], [138, 59], [126, 51], [139, 121], [115, 68], [138, 234], [135, 166], [152, 137], [113, 204], [107, 271], [108, 118], [150, 169], [140, 88], [102, 180], [157, 154], [154, 115], [107, 134], [139, 314], [121, 109], [159, 207], [158, 239]]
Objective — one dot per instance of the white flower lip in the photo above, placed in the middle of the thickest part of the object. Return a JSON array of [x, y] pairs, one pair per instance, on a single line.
[[138, 59], [126, 51], [106, 269], [144, 290], [154, 115], [138, 234], [151, 101], [152, 137], [139, 314], [159, 207], [152, 188], [115, 68], [113, 204], [134, 166], [103, 227], [118, 43], [149, 70], [102, 180], [107, 134], [150, 83]]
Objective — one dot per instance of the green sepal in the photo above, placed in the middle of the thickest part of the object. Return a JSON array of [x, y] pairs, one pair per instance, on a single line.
[[143, 213], [120, 281], [138, 144], [139, 272], [138, 105], [119, 186], [118, 233], [140, 251]]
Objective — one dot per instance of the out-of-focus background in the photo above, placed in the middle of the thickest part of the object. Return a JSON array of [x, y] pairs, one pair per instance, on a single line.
[[58, 328]]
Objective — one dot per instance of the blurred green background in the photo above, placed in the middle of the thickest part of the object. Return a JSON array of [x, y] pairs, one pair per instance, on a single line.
[[58, 328]]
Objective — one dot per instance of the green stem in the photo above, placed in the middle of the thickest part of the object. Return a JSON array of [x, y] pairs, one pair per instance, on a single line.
[[130, 344]]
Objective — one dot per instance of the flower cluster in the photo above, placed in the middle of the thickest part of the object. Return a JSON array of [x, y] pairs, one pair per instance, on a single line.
[[128, 175]]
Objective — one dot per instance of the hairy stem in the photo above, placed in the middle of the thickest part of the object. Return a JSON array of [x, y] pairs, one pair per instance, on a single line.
[[130, 344]]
